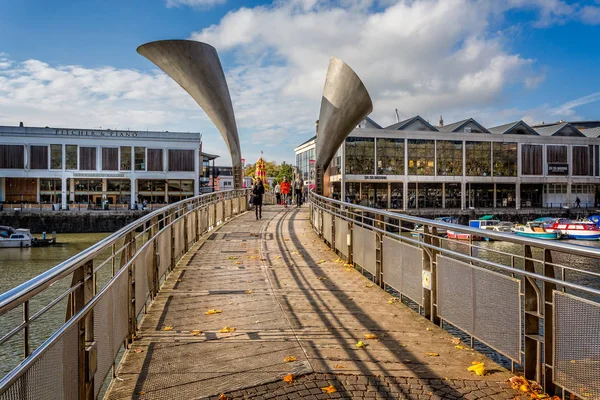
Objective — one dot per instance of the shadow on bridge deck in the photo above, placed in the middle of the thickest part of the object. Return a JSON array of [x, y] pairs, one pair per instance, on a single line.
[[282, 290]]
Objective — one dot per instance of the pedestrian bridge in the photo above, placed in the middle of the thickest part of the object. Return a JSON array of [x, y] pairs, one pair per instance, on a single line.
[[332, 300]]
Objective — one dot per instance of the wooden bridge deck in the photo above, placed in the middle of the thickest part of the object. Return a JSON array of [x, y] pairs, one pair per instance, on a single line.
[[282, 290]]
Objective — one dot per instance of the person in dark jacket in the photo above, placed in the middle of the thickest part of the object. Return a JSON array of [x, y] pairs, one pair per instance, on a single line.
[[257, 191]]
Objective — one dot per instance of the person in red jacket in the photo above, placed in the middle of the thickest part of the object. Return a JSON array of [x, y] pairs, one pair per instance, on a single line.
[[285, 191]]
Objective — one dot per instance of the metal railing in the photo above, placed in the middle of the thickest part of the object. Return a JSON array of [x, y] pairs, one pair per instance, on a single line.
[[102, 294], [531, 303]]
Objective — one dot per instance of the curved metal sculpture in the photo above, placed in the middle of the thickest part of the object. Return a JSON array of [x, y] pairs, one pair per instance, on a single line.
[[344, 104], [196, 67]]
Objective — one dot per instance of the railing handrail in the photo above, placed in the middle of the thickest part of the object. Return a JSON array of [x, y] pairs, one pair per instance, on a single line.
[[580, 250], [19, 294]]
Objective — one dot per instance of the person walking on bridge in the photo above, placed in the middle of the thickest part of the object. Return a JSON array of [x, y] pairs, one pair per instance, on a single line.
[[278, 193], [298, 186], [285, 191], [257, 191]]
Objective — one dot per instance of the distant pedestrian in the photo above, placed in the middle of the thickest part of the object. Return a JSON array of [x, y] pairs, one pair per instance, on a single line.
[[577, 202], [144, 204], [285, 191], [257, 192], [298, 185], [278, 193]]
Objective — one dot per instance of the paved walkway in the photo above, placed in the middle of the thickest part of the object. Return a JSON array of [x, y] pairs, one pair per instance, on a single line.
[[282, 290]]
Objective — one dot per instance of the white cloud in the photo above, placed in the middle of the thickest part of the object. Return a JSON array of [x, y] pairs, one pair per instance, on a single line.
[[194, 3], [567, 109], [419, 57], [590, 15]]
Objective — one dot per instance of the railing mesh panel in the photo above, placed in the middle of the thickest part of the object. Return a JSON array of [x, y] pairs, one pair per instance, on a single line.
[[179, 236], [402, 268], [211, 215], [191, 227], [55, 375], [143, 276], [341, 236], [483, 303], [163, 243], [327, 227], [363, 248], [227, 208], [577, 345], [219, 212]]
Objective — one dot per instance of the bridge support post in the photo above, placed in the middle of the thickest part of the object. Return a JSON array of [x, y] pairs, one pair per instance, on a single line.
[[549, 386], [350, 240], [431, 286], [125, 258], [532, 349]]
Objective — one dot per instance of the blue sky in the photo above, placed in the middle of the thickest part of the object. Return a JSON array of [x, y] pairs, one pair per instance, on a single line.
[[73, 63]]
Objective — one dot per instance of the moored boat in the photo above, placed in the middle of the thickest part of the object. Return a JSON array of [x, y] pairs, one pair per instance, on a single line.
[[10, 237], [418, 231], [535, 230], [576, 230]]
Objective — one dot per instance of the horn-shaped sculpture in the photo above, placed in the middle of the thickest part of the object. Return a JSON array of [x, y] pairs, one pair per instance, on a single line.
[[344, 104], [196, 67]]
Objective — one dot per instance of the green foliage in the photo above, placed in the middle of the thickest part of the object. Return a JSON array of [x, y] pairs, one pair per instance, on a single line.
[[285, 170]]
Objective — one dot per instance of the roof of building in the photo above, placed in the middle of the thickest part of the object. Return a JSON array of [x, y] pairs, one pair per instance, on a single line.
[[591, 132], [577, 124], [563, 129], [373, 123], [209, 156], [308, 141], [456, 126], [403, 124], [512, 126]]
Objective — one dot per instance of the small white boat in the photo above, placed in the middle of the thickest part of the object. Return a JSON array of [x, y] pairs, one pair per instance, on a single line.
[[10, 237], [535, 230]]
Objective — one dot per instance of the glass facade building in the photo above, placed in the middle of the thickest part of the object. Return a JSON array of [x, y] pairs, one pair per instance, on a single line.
[[412, 165]]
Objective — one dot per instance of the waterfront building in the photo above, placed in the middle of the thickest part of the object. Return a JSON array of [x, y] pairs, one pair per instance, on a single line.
[[92, 166], [413, 164]]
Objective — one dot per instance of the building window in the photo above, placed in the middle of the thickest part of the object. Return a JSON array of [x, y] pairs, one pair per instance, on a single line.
[[581, 161], [480, 195], [50, 190], [352, 192], [360, 155], [421, 157], [449, 158], [125, 158], [140, 158], [374, 195], [56, 156], [478, 158], [180, 189], [87, 158], [429, 195], [505, 195], [12, 157], [531, 195], [118, 191], [110, 159], [505, 159], [155, 160], [390, 156], [39, 157], [335, 166], [71, 156], [396, 195], [88, 191], [531, 159], [453, 195], [181, 160]]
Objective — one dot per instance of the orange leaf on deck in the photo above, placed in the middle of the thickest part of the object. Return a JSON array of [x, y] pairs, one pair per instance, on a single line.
[[289, 378], [223, 397], [227, 329], [168, 328], [340, 366], [370, 336], [211, 312], [329, 389], [289, 359], [195, 332], [432, 354]]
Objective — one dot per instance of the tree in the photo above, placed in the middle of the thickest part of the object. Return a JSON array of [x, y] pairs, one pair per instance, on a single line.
[[285, 170]]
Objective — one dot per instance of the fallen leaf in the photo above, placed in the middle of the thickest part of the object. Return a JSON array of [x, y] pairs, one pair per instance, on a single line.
[[248, 291], [168, 328], [360, 344], [139, 350], [432, 354], [429, 329], [227, 329], [393, 300], [340, 366], [289, 378], [232, 258], [370, 336], [321, 278], [455, 341], [289, 359], [141, 393], [458, 347], [329, 389], [349, 265], [195, 332], [369, 285], [320, 261], [211, 312], [223, 397], [178, 280], [238, 262], [478, 368], [573, 361]]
